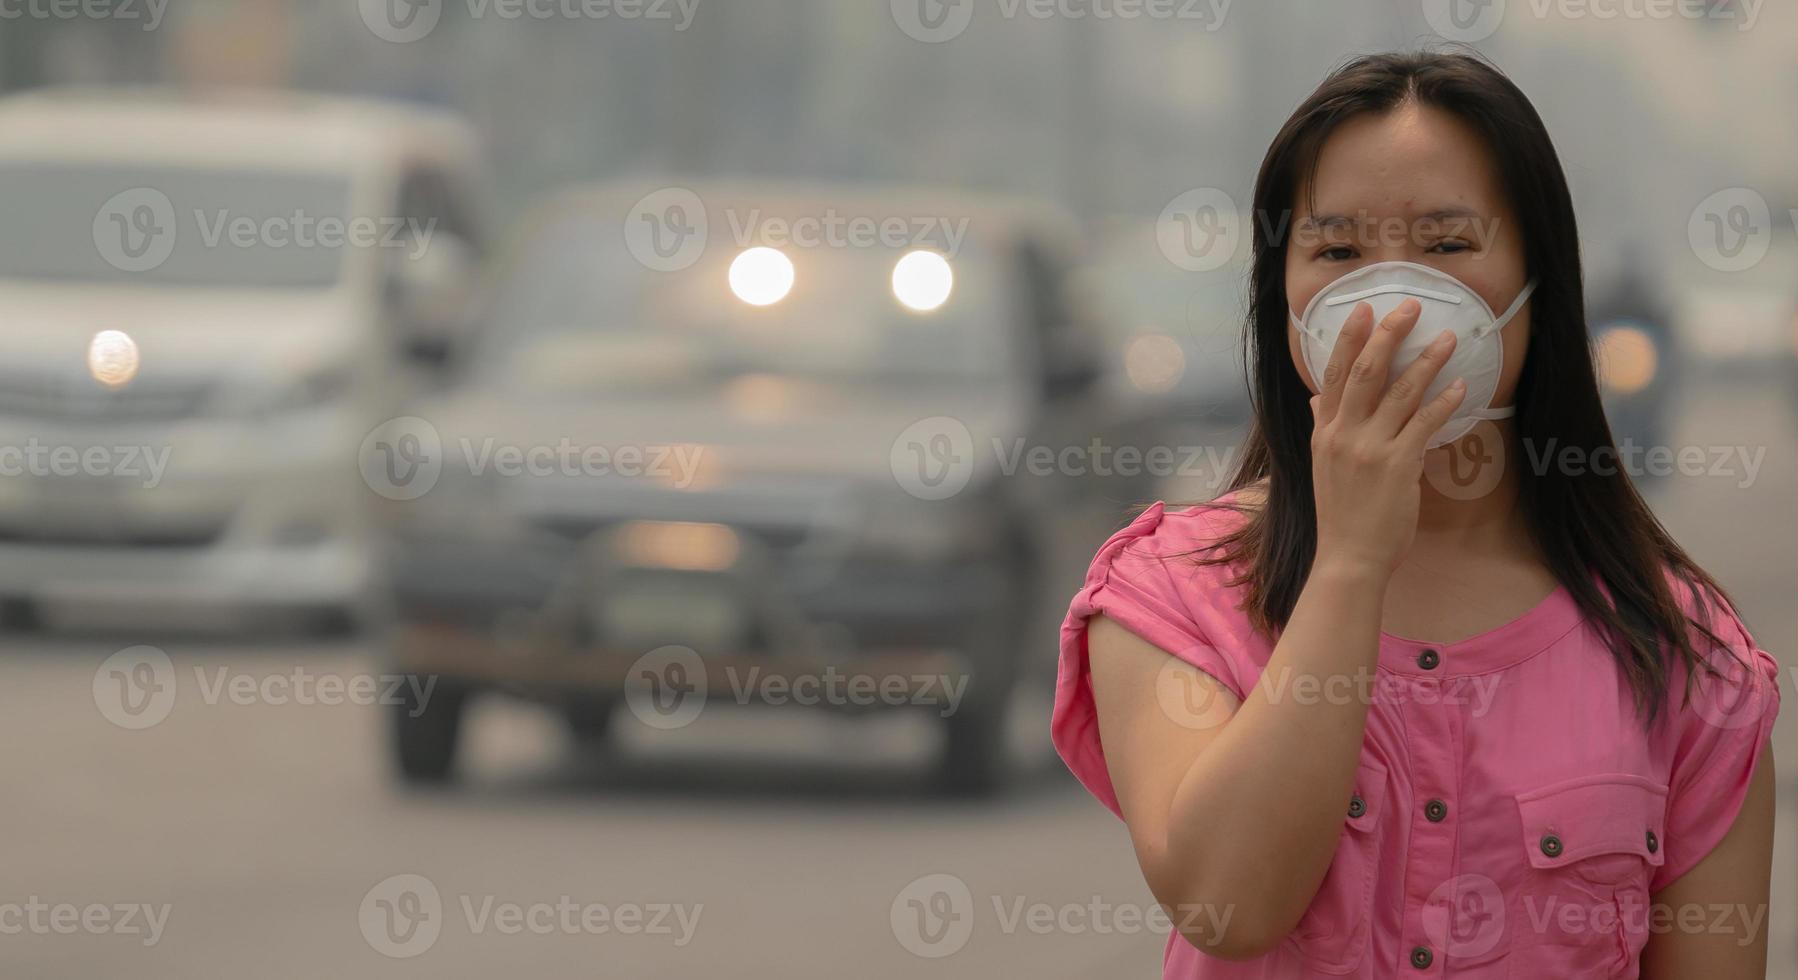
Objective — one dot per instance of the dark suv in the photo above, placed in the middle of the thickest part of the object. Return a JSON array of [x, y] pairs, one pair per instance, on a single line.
[[826, 474]]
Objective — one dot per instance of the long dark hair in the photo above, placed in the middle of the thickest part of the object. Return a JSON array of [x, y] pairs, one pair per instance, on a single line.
[[1594, 527]]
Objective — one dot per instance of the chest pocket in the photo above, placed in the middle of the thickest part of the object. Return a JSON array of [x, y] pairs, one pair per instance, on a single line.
[[1592, 844], [1332, 936]]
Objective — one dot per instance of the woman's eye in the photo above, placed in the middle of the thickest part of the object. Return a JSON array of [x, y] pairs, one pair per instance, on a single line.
[[1450, 247], [1338, 253]]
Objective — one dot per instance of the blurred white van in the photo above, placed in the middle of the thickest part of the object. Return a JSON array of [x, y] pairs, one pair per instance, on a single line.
[[207, 304]]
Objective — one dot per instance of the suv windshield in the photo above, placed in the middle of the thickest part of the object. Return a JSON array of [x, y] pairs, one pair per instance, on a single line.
[[575, 310], [131, 223]]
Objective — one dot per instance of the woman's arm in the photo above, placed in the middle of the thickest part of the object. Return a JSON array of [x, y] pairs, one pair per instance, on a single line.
[[1713, 921], [1240, 818], [1239, 814]]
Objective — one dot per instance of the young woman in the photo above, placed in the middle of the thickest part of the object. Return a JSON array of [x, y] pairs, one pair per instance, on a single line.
[[1418, 696]]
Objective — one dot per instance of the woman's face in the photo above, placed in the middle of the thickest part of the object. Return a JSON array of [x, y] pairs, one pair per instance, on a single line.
[[1414, 185]]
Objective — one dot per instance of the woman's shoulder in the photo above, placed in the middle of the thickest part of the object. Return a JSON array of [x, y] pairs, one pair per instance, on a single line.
[[1165, 530]]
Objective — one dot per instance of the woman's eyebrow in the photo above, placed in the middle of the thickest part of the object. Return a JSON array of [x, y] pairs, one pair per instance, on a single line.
[[1340, 220]]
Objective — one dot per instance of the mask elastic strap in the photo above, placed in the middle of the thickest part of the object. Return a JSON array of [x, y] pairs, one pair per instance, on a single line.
[[1511, 311], [1497, 325]]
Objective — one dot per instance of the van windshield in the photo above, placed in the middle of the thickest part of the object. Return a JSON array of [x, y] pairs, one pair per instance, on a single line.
[[575, 309], [138, 224]]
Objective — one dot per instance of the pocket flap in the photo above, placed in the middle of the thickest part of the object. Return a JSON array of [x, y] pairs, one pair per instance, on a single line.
[[1610, 813]]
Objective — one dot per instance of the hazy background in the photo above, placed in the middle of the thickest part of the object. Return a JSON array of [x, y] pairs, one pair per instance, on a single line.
[[270, 826]]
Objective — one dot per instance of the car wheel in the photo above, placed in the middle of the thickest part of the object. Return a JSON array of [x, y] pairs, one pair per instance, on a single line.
[[974, 759], [426, 733], [590, 722]]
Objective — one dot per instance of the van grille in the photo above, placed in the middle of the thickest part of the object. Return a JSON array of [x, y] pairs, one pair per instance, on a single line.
[[70, 398]]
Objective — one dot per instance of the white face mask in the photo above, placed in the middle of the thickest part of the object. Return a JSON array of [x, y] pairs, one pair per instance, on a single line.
[[1447, 305]]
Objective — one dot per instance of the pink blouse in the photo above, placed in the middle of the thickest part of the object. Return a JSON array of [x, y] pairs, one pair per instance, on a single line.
[[1511, 816]]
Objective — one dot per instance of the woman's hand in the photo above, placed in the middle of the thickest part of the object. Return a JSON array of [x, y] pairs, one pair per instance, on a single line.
[[1368, 439]]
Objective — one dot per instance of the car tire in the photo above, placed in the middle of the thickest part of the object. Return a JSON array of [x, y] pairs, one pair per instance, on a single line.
[[974, 760], [590, 722], [426, 734]]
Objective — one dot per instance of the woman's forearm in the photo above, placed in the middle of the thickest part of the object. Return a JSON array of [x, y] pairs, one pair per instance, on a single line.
[[1255, 822]]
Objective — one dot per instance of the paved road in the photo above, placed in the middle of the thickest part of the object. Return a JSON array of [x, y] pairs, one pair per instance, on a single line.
[[744, 847]]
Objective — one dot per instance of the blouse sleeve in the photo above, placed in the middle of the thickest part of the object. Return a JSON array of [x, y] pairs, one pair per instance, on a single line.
[[1722, 732], [1140, 579]]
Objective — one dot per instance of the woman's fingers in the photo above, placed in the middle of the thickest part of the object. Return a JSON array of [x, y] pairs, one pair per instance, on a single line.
[[1348, 347], [1407, 390], [1433, 415], [1366, 381]]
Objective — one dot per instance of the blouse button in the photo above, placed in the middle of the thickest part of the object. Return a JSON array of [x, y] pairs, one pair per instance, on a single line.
[[1429, 659], [1551, 845], [1357, 806], [1435, 810], [1421, 957], [1654, 843]]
